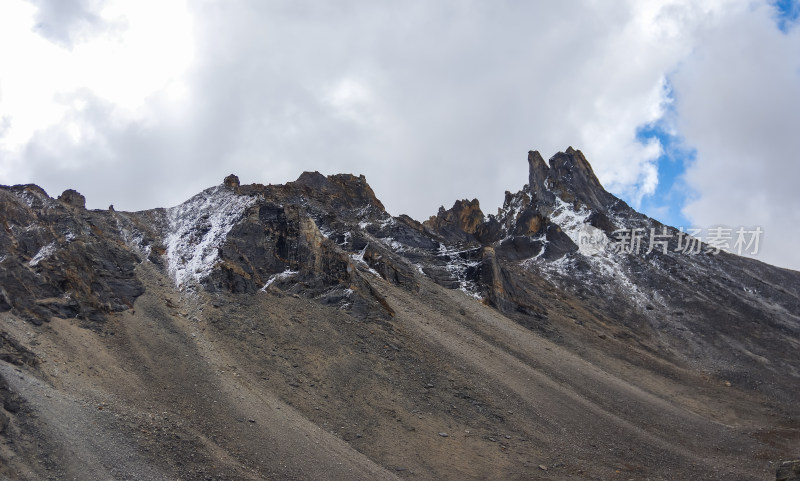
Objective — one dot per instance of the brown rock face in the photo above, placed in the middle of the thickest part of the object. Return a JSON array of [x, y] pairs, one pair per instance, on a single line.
[[73, 198], [232, 182], [341, 191], [465, 217], [275, 239]]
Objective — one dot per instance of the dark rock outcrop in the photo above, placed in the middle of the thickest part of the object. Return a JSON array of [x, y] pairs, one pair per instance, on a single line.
[[538, 173], [55, 263], [573, 179], [340, 192], [73, 198], [460, 223], [788, 471], [232, 182]]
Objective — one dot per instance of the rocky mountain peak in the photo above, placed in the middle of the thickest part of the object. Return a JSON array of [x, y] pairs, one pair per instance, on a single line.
[[510, 331], [338, 191], [459, 222], [544, 218], [574, 181], [311, 179], [538, 172], [73, 198], [232, 182], [570, 177]]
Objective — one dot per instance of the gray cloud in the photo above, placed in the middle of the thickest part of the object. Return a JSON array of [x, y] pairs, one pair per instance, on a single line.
[[448, 98], [67, 21], [738, 105]]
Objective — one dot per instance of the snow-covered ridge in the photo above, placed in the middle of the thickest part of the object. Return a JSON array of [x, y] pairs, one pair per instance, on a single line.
[[367, 221], [197, 228], [393, 244]]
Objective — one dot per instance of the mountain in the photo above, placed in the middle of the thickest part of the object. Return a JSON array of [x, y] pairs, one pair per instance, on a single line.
[[300, 331]]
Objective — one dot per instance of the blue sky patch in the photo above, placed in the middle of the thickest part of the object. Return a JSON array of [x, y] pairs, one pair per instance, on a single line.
[[672, 192], [786, 13]]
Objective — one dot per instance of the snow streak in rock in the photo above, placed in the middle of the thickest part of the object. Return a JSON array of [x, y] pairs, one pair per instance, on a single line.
[[457, 266], [280, 276], [43, 254]]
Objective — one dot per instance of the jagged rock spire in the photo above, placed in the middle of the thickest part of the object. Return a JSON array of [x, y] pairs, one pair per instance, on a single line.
[[570, 177], [538, 171]]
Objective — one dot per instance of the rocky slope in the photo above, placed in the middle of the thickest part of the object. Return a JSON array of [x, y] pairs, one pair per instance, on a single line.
[[299, 331]]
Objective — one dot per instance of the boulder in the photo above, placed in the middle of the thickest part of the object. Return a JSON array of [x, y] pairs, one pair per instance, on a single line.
[[232, 182], [73, 198], [788, 471]]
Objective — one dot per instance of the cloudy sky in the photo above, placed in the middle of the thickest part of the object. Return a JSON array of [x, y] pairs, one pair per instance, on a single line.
[[687, 109]]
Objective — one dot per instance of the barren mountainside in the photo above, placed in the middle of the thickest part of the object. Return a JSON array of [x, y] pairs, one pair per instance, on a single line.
[[300, 331]]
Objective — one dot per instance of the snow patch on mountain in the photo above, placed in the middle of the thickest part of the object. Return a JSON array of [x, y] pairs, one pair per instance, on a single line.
[[133, 237], [359, 260], [458, 268], [569, 219], [279, 276], [43, 254], [197, 228], [393, 244], [606, 267]]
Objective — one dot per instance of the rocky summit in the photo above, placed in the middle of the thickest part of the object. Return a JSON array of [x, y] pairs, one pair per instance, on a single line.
[[300, 331]]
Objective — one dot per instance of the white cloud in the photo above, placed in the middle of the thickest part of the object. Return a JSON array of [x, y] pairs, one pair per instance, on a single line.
[[43, 83], [738, 104], [352, 99]]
